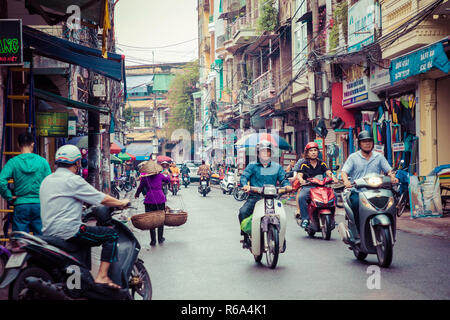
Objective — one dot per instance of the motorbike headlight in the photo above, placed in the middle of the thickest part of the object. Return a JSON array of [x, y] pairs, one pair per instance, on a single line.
[[374, 181], [390, 202], [366, 204], [270, 191]]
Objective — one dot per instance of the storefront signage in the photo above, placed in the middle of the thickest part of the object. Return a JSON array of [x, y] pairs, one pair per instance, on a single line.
[[379, 148], [52, 124], [380, 78], [419, 62], [397, 147], [355, 88], [11, 49], [363, 18]]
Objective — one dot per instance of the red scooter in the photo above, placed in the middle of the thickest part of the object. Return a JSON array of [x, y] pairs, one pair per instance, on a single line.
[[321, 208], [174, 183]]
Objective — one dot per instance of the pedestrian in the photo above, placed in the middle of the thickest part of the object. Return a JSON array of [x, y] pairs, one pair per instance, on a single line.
[[27, 170], [155, 198]]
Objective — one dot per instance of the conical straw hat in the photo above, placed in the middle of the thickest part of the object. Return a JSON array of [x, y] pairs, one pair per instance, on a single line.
[[150, 168]]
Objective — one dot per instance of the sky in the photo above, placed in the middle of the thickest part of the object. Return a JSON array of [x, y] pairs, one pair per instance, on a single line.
[[166, 27]]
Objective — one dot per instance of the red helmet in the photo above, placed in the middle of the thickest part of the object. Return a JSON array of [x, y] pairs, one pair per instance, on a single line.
[[311, 145]]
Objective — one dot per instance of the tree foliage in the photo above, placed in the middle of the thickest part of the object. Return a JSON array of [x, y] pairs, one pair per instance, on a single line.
[[181, 100], [268, 16]]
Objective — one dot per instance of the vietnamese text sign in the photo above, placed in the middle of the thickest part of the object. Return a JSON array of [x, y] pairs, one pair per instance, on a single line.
[[419, 62], [363, 18], [52, 124], [11, 42], [355, 88]]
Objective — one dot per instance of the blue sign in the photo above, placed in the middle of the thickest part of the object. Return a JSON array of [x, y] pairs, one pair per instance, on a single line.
[[419, 62]]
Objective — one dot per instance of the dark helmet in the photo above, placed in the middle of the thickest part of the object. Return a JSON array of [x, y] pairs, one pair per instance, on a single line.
[[264, 145], [364, 135], [336, 123]]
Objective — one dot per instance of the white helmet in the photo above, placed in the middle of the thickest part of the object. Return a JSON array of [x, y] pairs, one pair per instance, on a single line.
[[68, 154]]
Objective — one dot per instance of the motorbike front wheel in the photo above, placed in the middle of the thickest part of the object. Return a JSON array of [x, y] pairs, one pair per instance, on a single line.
[[273, 242], [18, 289], [326, 227], [403, 201], [384, 248], [127, 187], [140, 282]]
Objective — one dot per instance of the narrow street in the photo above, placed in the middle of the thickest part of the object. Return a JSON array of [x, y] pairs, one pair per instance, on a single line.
[[204, 260]]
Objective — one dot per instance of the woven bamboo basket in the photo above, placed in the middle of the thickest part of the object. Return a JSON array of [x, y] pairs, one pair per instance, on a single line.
[[149, 220], [175, 218]]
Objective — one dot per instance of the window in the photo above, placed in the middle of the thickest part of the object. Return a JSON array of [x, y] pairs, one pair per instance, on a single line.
[[301, 41], [302, 10]]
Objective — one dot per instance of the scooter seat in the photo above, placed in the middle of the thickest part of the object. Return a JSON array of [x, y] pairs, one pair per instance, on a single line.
[[60, 243]]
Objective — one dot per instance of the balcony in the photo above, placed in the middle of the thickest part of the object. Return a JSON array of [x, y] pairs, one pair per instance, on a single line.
[[263, 87], [243, 30]]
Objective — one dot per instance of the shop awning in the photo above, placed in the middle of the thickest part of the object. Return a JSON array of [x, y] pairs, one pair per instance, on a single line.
[[142, 151], [162, 82], [56, 48], [45, 95]]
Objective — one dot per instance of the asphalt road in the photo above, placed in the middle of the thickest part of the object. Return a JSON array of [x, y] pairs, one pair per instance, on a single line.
[[203, 259]]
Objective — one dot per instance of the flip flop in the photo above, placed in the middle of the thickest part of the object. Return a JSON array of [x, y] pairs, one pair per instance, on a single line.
[[109, 285]]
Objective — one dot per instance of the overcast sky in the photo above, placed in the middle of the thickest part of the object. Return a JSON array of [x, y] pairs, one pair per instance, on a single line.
[[154, 24]]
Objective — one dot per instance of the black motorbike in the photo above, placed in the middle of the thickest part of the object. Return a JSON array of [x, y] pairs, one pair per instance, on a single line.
[[186, 179], [46, 267], [115, 192], [204, 187]]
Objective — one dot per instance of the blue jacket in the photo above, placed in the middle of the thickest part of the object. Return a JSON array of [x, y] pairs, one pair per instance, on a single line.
[[259, 176]]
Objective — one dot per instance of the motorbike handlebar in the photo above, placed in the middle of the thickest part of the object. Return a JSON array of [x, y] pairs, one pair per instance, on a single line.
[[260, 190]]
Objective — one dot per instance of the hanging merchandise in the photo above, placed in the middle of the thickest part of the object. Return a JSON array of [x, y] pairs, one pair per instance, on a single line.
[[351, 146], [388, 142]]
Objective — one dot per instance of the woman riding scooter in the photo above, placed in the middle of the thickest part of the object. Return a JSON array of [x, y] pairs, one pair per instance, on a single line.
[[310, 168]]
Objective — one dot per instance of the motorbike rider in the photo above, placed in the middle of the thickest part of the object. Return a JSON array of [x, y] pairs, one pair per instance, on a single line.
[[174, 169], [62, 194], [184, 169], [311, 167], [204, 172], [258, 173], [361, 163]]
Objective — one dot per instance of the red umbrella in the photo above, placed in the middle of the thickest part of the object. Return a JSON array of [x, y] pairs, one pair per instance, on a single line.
[[132, 157], [114, 149], [163, 158]]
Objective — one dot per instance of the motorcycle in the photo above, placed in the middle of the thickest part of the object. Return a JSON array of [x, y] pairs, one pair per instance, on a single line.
[[174, 183], [239, 194], [4, 256], [377, 219], [227, 184], [186, 179], [204, 188], [114, 190], [268, 225], [401, 190], [321, 207], [46, 267], [124, 184]]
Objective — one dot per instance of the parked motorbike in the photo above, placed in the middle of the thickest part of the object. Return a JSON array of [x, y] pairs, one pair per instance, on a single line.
[[401, 190], [44, 267], [186, 179], [321, 207], [239, 194], [377, 219], [268, 225], [227, 184], [115, 190], [123, 183], [203, 187], [4, 256], [174, 183]]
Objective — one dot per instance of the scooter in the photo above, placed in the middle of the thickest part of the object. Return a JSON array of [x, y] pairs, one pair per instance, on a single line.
[[375, 231], [4, 256], [204, 188], [186, 179], [268, 225], [46, 267], [228, 183], [174, 184], [321, 208]]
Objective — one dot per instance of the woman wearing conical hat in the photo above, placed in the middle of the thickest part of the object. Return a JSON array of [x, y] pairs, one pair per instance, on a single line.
[[151, 181]]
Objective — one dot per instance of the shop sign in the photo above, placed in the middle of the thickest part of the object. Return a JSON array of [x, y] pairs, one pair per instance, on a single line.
[[72, 126], [355, 88], [52, 124], [363, 18], [397, 147], [379, 148], [419, 62], [380, 78], [11, 48]]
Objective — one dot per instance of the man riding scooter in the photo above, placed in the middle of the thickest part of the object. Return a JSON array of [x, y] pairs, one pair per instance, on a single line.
[[309, 169], [259, 173], [358, 165]]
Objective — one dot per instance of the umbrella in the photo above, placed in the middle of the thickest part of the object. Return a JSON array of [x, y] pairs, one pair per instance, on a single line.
[[114, 149], [160, 159], [81, 142], [253, 139], [131, 156], [123, 156], [114, 159]]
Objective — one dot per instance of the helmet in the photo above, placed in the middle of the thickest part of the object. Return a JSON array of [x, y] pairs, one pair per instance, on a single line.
[[336, 123], [67, 154], [311, 145], [264, 145], [364, 135]]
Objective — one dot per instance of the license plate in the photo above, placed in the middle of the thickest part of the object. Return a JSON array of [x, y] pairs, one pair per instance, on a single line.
[[16, 260]]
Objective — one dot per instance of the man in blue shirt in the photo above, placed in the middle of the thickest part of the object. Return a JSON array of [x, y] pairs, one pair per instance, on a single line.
[[259, 173], [361, 163]]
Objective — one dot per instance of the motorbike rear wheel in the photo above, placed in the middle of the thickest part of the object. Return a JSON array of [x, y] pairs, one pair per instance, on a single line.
[[403, 201], [18, 289], [326, 227], [273, 242], [140, 282], [384, 249]]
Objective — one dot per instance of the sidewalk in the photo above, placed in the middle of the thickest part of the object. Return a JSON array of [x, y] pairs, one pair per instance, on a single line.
[[430, 226]]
